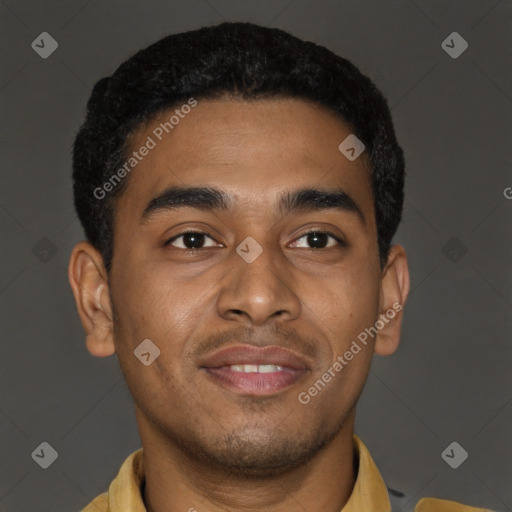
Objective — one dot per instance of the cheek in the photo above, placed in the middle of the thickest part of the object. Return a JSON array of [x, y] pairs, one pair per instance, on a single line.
[[156, 303], [346, 303], [353, 304], [148, 309]]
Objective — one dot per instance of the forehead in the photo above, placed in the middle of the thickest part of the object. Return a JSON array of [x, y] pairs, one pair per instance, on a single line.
[[253, 149]]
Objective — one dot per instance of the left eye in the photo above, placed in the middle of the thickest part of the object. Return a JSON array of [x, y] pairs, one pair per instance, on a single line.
[[319, 239]]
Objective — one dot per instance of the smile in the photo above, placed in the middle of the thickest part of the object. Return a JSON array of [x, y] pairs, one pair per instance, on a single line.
[[256, 371]]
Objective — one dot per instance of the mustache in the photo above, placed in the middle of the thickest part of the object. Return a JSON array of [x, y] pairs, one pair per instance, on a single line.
[[261, 337]]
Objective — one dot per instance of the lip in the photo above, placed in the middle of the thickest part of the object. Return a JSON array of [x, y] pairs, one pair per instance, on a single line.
[[249, 354], [251, 383]]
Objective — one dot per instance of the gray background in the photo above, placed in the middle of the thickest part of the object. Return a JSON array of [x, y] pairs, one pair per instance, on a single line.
[[449, 381]]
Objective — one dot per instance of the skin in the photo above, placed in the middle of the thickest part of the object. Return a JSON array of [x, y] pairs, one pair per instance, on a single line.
[[206, 446]]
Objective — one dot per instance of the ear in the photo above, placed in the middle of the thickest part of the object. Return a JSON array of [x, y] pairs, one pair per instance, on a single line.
[[395, 284], [89, 282]]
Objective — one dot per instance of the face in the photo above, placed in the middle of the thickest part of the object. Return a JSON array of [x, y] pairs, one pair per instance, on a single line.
[[252, 291]]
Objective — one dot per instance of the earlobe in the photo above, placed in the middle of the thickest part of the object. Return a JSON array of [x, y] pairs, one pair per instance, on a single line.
[[395, 286], [89, 283]]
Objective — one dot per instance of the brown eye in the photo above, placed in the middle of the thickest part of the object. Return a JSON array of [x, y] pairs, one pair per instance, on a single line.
[[320, 239], [192, 240]]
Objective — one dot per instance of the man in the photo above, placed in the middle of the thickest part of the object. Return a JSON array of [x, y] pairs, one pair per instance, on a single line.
[[239, 189]]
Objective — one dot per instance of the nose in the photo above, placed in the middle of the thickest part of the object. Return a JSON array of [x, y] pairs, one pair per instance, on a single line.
[[259, 292]]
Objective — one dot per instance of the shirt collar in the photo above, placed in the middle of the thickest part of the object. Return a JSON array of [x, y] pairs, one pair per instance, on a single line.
[[369, 493]]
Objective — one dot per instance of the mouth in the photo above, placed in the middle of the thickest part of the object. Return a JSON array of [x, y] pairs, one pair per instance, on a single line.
[[256, 371]]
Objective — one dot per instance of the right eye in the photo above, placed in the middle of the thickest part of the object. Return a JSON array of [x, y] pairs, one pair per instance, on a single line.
[[192, 240]]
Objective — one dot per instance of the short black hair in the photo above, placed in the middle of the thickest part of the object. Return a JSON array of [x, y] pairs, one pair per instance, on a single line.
[[241, 60]]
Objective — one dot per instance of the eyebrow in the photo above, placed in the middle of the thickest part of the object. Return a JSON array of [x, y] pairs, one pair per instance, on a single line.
[[209, 198]]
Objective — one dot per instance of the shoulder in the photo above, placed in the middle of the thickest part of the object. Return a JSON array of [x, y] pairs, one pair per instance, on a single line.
[[437, 505], [99, 504]]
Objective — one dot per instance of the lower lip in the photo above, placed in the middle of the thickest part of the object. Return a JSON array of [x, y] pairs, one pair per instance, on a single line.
[[255, 383]]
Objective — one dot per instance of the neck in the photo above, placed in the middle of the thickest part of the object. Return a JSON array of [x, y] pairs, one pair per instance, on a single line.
[[176, 483]]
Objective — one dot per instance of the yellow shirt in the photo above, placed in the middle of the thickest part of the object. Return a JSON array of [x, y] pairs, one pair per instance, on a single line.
[[369, 494]]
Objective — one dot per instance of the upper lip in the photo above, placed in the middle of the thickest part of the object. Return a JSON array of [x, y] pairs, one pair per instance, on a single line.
[[249, 354]]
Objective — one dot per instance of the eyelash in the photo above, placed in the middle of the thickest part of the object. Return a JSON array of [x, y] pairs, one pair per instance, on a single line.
[[195, 232]]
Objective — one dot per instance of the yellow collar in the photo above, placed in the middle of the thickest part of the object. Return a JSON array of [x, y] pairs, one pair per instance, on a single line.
[[369, 493], [124, 494]]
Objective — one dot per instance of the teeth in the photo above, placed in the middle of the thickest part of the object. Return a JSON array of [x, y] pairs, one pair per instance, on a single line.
[[269, 368], [244, 367], [254, 368]]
